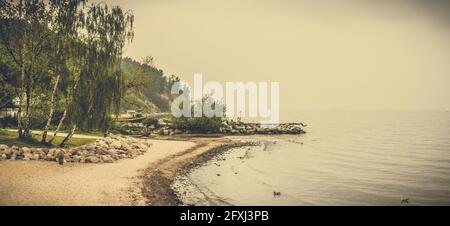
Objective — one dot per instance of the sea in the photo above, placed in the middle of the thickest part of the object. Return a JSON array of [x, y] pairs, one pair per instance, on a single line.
[[345, 158]]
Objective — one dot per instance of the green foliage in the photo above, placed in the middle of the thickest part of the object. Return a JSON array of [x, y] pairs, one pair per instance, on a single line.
[[147, 87], [66, 44], [199, 124]]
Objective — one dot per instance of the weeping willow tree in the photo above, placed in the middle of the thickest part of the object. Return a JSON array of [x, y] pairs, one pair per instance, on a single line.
[[101, 85]]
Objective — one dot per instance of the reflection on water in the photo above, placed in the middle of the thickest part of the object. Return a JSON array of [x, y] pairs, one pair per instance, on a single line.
[[346, 158]]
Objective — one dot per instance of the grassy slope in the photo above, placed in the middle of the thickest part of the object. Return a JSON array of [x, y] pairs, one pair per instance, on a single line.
[[11, 138]]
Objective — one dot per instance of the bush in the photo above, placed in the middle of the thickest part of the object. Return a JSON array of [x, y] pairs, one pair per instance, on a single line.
[[199, 124]]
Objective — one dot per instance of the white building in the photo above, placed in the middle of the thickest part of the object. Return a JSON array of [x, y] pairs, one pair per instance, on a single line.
[[9, 112]]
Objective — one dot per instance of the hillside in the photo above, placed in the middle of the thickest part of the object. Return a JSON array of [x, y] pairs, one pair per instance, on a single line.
[[148, 89]]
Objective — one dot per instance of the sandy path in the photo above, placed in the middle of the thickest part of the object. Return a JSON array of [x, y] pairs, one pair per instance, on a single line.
[[47, 183]]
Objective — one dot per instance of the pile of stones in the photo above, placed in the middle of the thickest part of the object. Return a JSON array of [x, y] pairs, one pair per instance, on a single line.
[[105, 150]]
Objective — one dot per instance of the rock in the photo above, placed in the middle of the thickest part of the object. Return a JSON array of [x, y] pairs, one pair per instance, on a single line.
[[133, 153], [76, 158], [108, 140], [111, 151], [107, 159], [92, 159], [26, 150], [49, 157], [52, 152], [35, 157], [102, 143], [142, 147], [125, 147], [7, 151], [13, 156], [116, 144], [3, 147], [107, 150], [27, 156]]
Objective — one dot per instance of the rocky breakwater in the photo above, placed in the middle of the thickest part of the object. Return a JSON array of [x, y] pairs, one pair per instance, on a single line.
[[240, 128], [236, 128], [105, 150]]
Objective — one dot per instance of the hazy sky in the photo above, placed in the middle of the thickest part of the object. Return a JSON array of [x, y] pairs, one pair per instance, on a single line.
[[354, 54]]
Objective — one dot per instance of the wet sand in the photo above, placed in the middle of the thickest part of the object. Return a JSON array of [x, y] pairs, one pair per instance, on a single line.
[[47, 183], [158, 178]]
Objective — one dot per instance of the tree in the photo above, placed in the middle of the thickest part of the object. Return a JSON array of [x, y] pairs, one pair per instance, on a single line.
[[66, 23], [24, 34], [62, 53], [106, 31]]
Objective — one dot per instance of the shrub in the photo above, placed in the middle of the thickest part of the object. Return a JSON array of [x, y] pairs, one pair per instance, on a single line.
[[199, 124]]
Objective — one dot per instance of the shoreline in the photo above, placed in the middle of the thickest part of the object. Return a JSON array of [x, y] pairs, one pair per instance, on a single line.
[[143, 180], [158, 178], [45, 183]]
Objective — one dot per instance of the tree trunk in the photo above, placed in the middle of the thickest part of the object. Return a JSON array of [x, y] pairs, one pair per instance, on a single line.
[[26, 131], [69, 136], [52, 109], [22, 78], [61, 121], [19, 117], [25, 84]]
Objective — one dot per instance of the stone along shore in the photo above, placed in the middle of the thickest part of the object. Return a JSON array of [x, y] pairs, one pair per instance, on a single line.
[[104, 150], [230, 128]]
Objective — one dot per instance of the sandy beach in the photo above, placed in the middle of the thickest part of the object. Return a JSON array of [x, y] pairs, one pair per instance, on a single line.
[[144, 180]]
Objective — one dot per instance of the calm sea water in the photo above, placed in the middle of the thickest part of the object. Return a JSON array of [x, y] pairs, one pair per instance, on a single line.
[[346, 158]]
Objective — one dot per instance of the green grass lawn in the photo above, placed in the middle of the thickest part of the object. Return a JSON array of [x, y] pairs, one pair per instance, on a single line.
[[12, 138]]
